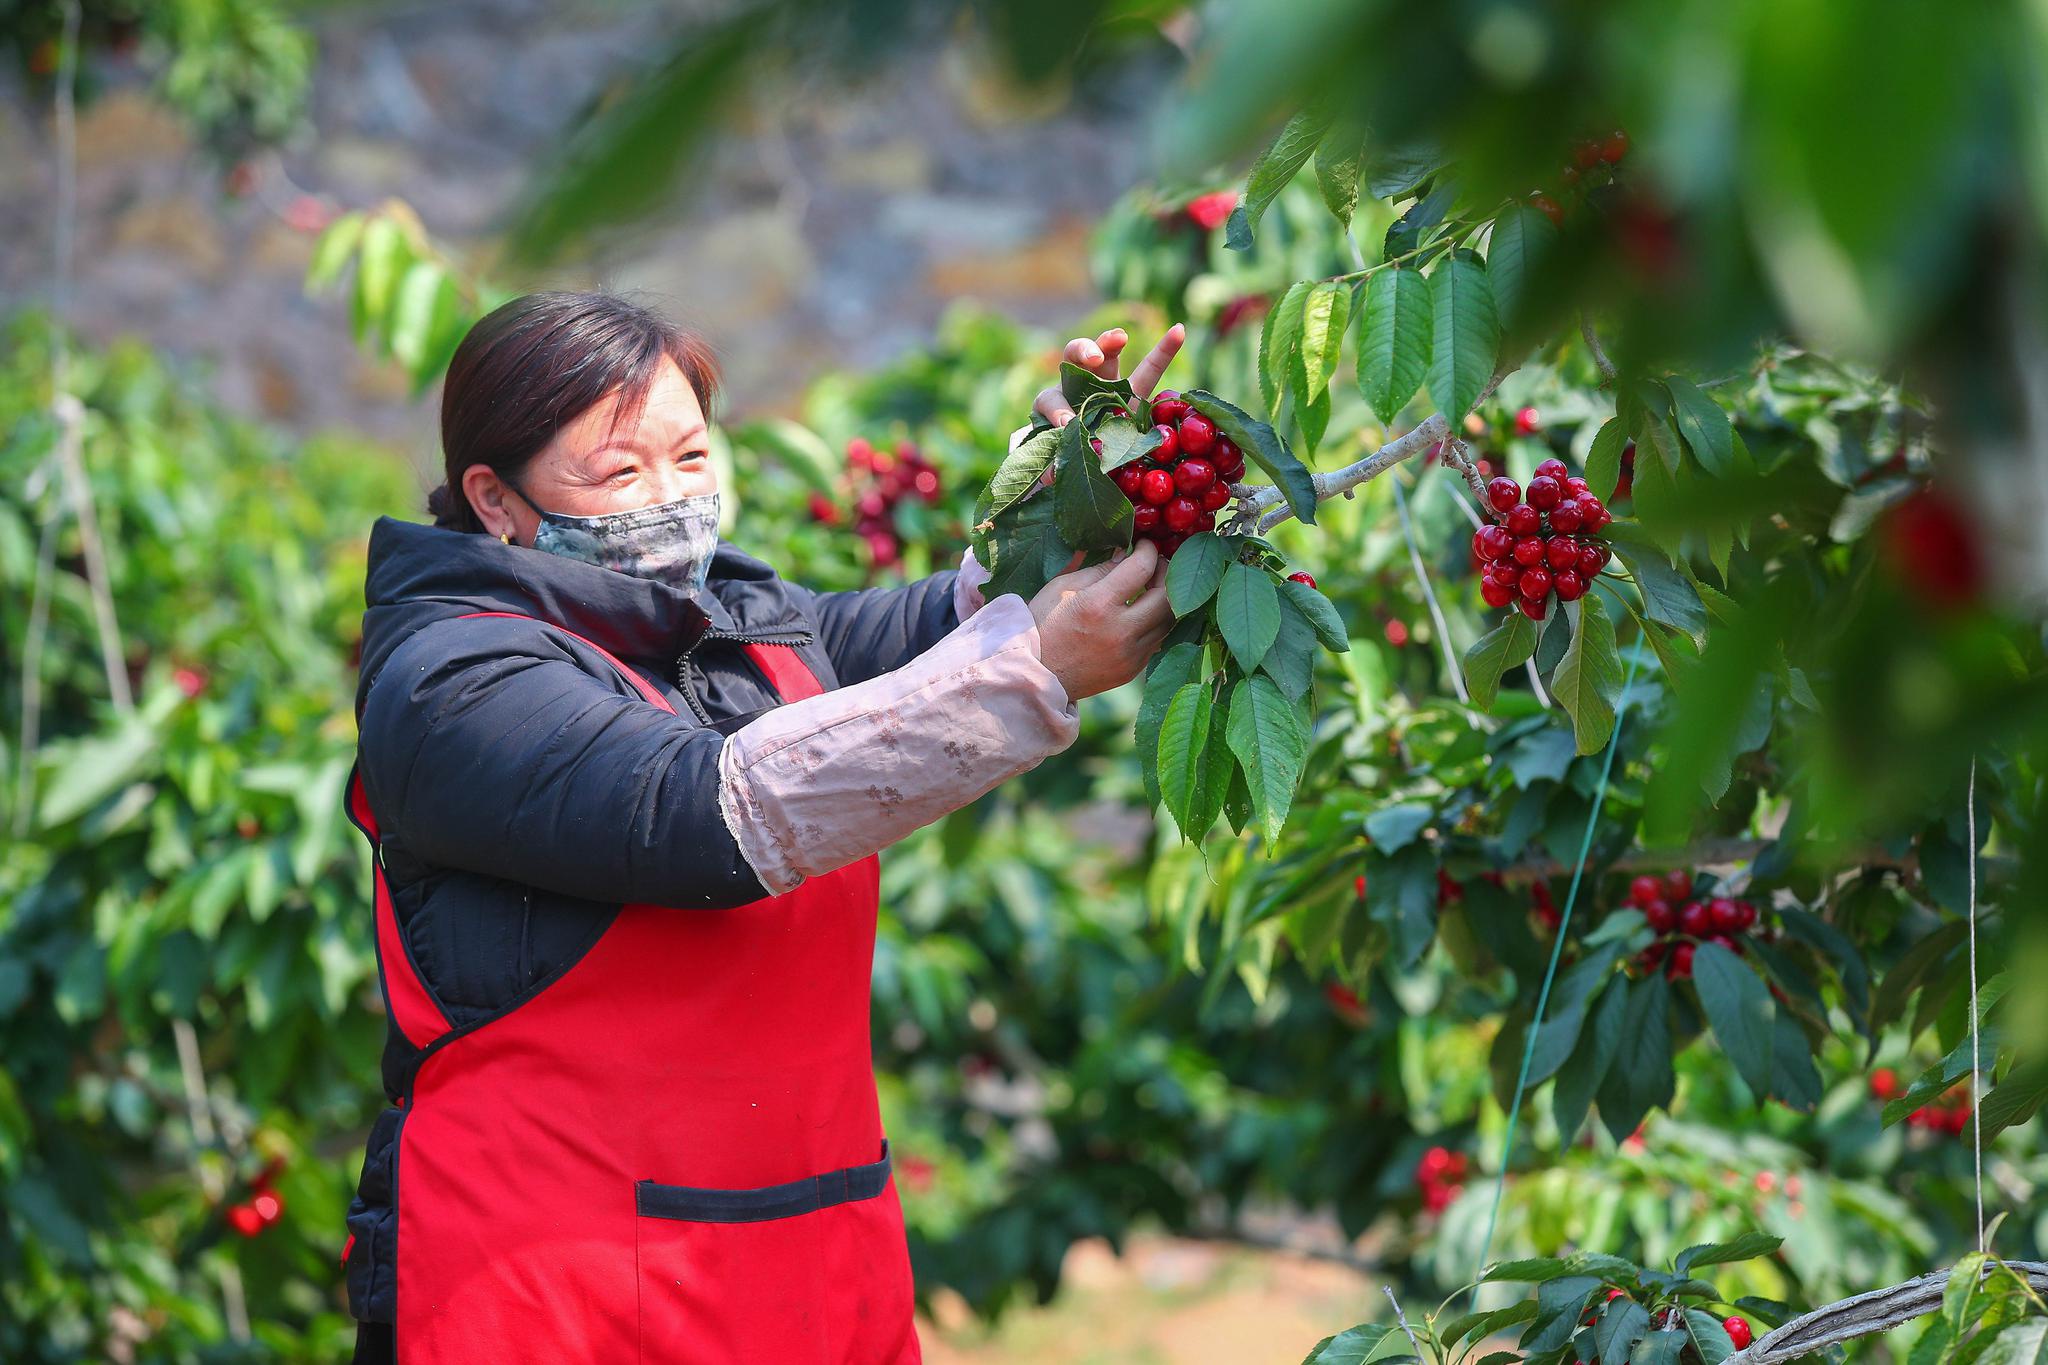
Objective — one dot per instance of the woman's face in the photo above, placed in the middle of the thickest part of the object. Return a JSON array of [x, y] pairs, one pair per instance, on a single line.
[[587, 470]]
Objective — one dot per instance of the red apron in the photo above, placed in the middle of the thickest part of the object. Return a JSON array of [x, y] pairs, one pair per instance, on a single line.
[[671, 1153]]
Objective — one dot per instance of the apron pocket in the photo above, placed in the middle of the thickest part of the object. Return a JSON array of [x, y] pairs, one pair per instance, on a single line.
[[814, 1272]]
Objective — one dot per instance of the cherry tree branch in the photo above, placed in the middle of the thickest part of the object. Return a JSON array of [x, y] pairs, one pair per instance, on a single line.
[[1863, 1315], [1607, 370], [1265, 504]]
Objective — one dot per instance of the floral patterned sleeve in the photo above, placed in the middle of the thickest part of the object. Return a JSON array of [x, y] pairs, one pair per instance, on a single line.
[[820, 783]]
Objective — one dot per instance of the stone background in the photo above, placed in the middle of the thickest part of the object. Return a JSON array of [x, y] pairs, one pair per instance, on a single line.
[[829, 227]]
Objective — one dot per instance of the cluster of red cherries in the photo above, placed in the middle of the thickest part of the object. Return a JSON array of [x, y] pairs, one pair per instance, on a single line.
[[1589, 156], [1950, 1112], [1736, 1326], [879, 480], [264, 1205], [1441, 1173], [1542, 541], [1669, 908], [1177, 490]]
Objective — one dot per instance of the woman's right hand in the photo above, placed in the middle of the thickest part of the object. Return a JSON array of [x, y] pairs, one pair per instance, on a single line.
[[1098, 626]]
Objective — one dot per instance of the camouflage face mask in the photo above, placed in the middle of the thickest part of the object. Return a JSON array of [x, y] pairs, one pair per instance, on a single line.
[[670, 542]]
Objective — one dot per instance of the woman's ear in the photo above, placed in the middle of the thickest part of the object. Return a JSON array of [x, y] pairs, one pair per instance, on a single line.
[[497, 506]]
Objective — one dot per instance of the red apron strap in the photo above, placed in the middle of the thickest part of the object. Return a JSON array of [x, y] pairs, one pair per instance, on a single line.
[[645, 688], [412, 1005], [786, 671]]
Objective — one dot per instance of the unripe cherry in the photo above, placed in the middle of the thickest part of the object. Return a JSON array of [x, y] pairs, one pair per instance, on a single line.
[[1562, 552], [1535, 583], [1497, 594], [1168, 408], [1194, 477], [1197, 434], [1145, 519], [1180, 515], [1156, 487], [1529, 551], [1565, 516], [1493, 542], [1544, 492], [1503, 493], [1552, 468], [1524, 520], [1169, 444], [1570, 586]]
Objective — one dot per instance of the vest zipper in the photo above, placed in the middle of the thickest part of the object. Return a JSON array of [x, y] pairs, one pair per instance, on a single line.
[[731, 637]]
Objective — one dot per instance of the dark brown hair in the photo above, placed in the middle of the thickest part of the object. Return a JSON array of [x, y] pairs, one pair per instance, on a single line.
[[541, 360]]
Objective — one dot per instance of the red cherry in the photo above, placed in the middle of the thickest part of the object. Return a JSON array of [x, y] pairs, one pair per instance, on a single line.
[[1503, 493], [1724, 914], [1227, 458], [1566, 516], [269, 1206], [1552, 468], [1612, 149], [1930, 540], [1180, 515], [1695, 919], [1593, 514], [1524, 520], [1528, 422], [882, 547], [1205, 521], [1884, 1083], [1168, 449], [1535, 584], [1197, 434], [1492, 542], [1677, 884], [1194, 477], [1569, 584], [872, 505], [1168, 542], [244, 1219], [1658, 914], [1532, 607], [1218, 494], [1681, 962], [1726, 942], [1574, 486], [1650, 958], [1736, 1328], [1585, 154], [1145, 519], [1548, 207], [927, 485], [1544, 492], [1745, 915], [1302, 576], [1126, 480], [1503, 571], [1156, 487], [1592, 559], [1645, 889], [1529, 551], [1168, 408], [1561, 552], [1497, 594]]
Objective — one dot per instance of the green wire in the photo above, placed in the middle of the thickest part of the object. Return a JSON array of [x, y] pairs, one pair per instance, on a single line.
[[1500, 1184]]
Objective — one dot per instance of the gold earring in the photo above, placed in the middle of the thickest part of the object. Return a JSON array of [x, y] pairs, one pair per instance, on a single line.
[[505, 537]]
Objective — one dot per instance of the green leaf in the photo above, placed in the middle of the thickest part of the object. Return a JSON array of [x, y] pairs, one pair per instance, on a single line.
[[1350, 1347], [1704, 425], [1578, 1080], [1534, 1270], [1508, 645], [2013, 1100], [1738, 1005], [1324, 316], [1080, 385], [1183, 745], [1621, 1321], [1645, 408], [1340, 162], [1641, 1078], [1668, 594], [1313, 417], [1514, 253], [1267, 740], [1658, 1348], [1171, 669], [1280, 342], [2022, 1343], [378, 265], [1603, 459], [1291, 660], [1022, 468], [331, 253], [1320, 614], [1394, 331], [423, 289], [1090, 510], [1025, 550], [1272, 172], [1795, 1082], [1747, 1247], [86, 771], [1263, 446], [1588, 678], [1248, 613], [1123, 441], [1466, 335], [1397, 172], [1196, 568], [1709, 1337]]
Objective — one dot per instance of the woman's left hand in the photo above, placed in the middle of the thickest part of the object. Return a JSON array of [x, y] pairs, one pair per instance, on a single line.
[[1100, 356]]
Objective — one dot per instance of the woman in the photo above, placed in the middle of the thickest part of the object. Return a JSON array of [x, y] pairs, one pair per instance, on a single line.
[[625, 788]]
